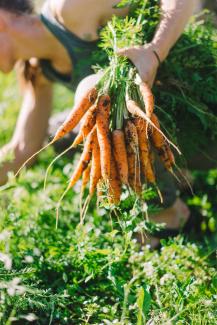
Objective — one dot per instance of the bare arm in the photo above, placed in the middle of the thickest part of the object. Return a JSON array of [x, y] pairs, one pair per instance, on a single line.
[[31, 127], [175, 15], [32, 123]]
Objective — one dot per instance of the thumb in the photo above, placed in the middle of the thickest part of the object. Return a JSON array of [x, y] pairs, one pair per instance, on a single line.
[[123, 52]]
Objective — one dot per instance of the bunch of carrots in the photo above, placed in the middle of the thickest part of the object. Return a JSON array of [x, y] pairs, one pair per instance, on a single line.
[[113, 156], [118, 144]]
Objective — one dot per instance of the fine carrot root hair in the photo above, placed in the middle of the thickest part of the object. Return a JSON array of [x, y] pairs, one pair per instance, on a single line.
[[59, 204], [84, 209], [52, 162], [120, 154], [76, 114], [103, 134], [159, 193], [186, 179], [33, 156]]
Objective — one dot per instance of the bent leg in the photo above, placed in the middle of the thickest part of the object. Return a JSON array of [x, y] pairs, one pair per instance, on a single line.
[[30, 130]]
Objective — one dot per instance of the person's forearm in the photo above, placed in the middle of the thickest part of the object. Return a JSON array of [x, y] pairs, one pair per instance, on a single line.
[[175, 15], [31, 127]]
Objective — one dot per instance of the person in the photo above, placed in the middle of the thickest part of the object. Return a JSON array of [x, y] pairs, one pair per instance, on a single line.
[[47, 48]]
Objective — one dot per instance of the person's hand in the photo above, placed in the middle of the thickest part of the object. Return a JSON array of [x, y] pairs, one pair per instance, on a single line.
[[144, 60]]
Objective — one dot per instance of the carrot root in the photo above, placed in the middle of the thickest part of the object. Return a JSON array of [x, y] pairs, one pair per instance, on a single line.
[[33, 156]]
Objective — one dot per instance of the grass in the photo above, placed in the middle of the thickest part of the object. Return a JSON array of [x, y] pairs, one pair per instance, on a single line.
[[97, 273]]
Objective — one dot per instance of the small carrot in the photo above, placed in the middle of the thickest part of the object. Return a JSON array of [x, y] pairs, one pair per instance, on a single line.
[[95, 173], [132, 145], [88, 122], [84, 159], [166, 156], [161, 145], [77, 113], [148, 98], [103, 134], [145, 157], [171, 156], [120, 154], [157, 138], [114, 190]]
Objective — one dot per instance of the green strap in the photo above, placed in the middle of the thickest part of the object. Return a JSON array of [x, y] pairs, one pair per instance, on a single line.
[[79, 51]]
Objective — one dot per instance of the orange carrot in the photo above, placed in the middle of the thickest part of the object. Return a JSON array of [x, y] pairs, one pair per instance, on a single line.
[[120, 154], [88, 122], [103, 134], [170, 156], [77, 113], [84, 159], [136, 111], [166, 156], [95, 173], [132, 145], [145, 157], [148, 98], [157, 138], [161, 145], [114, 184]]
